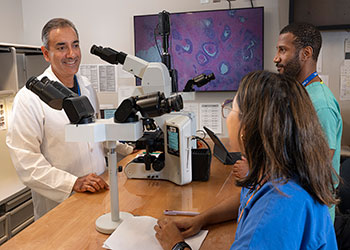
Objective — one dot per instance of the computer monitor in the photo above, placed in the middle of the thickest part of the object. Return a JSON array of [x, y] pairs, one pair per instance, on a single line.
[[228, 43]]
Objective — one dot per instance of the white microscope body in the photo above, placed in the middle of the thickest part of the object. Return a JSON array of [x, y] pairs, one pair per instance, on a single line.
[[126, 126], [179, 127]]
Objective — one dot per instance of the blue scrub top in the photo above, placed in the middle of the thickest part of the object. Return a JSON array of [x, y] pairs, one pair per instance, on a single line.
[[283, 216]]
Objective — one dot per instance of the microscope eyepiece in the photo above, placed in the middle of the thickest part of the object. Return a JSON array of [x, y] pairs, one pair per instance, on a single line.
[[51, 92], [151, 105], [95, 49], [198, 81], [58, 96], [107, 54]]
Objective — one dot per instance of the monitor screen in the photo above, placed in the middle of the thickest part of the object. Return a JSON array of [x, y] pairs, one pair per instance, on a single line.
[[228, 43], [324, 14]]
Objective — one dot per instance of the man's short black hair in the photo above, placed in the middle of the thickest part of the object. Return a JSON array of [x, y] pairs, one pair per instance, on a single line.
[[305, 35]]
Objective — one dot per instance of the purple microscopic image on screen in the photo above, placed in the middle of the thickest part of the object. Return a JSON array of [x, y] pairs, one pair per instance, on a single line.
[[228, 43]]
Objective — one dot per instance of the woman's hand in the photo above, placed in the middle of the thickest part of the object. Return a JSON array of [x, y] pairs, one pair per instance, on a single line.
[[190, 226], [167, 233], [240, 168]]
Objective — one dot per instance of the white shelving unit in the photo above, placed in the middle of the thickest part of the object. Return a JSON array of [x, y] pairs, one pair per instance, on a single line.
[[17, 64]]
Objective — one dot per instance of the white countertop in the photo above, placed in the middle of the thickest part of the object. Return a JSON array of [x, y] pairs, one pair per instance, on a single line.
[[9, 187], [10, 184]]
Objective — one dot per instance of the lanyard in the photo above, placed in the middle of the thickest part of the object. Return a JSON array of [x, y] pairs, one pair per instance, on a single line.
[[246, 204], [309, 78], [76, 82]]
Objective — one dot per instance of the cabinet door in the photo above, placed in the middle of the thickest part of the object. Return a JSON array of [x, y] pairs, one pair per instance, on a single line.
[[8, 71], [17, 65], [21, 217], [3, 229], [35, 65]]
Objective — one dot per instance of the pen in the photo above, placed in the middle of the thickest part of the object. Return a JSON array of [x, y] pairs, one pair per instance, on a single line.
[[175, 212]]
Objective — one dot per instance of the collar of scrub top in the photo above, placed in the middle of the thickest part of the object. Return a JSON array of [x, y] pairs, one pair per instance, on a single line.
[[76, 82], [260, 184], [309, 78], [246, 204]]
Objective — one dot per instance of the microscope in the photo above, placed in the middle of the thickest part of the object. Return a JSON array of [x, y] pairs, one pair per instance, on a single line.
[[159, 129], [169, 133]]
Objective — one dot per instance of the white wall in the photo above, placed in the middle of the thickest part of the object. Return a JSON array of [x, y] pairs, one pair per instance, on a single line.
[[333, 56], [11, 19], [110, 23]]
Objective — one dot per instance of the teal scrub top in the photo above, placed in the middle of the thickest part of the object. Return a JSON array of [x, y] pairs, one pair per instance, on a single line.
[[328, 111]]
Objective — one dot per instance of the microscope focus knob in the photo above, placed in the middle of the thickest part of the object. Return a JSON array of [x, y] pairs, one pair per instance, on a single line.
[[158, 163]]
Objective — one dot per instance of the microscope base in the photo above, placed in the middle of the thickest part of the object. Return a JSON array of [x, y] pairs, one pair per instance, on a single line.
[[105, 225]]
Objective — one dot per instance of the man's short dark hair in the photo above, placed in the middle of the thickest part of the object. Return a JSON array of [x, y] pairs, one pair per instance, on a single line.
[[305, 35], [55, 23]]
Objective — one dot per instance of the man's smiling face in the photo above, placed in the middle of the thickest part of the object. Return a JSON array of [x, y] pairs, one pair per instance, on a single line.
[[63, 53]]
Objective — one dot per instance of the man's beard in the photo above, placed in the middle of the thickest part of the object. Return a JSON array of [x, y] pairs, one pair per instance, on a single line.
[[292, 68]]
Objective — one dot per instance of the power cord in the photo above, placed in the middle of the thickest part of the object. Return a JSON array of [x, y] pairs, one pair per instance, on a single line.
[[155, 39], [201, 131]]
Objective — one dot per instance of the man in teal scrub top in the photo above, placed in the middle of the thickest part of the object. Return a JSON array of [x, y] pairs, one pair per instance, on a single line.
[[298, 48]]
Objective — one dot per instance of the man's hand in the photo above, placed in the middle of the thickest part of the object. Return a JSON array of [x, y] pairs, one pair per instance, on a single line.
[[90, 182]]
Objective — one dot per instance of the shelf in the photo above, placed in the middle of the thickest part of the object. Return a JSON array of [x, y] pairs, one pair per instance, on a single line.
[[6, 92], [17, 64]]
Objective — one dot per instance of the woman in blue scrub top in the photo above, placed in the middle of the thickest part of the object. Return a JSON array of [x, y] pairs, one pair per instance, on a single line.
[[285, 196]]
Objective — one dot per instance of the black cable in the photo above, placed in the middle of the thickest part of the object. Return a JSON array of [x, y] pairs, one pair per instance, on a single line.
[[229, 4], [202, 140], [251, 1], [155, 39], [202, 131]]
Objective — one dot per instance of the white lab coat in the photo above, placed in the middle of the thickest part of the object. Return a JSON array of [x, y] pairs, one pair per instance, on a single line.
[[43, 160]]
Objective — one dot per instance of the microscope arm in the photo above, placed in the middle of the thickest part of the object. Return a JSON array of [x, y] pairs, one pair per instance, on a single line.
[[155, 76]]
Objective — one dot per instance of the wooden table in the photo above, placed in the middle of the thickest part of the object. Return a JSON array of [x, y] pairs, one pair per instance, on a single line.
[[71, 225]]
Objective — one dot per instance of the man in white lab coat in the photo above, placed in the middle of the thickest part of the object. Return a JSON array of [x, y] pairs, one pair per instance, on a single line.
[[51, 167]]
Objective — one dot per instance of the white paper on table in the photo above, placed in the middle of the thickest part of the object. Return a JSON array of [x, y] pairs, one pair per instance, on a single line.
[[137, 232]]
